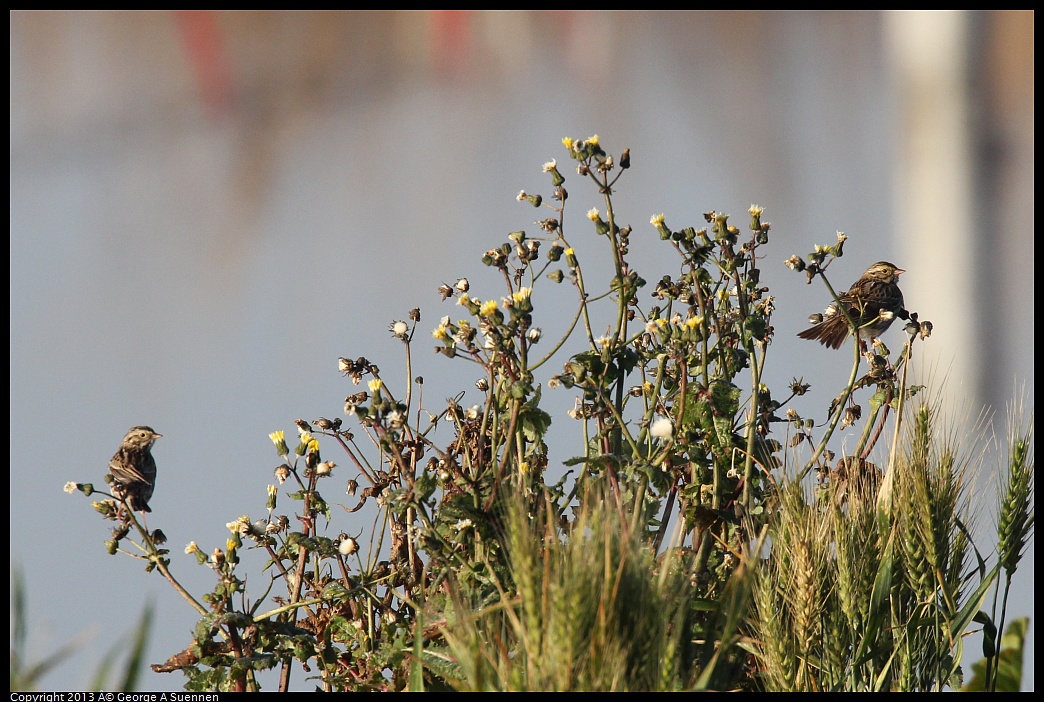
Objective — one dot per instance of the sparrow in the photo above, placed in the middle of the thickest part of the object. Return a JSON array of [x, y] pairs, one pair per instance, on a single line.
[[873, 302], [133, 469]]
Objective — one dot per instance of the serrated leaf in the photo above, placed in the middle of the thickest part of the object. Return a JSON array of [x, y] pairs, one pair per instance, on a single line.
[[535, 423], [424, 486]]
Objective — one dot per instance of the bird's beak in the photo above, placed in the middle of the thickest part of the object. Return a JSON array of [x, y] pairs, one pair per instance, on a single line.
[[899, 272]]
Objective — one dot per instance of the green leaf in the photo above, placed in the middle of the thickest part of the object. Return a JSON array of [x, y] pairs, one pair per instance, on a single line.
[[424, 486], [878, 399], [725, 398], [1009, 663], [535, 422]]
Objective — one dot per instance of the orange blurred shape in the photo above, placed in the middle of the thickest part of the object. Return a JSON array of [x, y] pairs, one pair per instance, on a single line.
[[205, 47]]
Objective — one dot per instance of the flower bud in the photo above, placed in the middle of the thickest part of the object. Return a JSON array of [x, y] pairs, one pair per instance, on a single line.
[[106, 508], [534, 200], [348, 546], [549, 225], [279, 439], [521, 301], [755, 217], [658, 222], [556, 178], [601, 226]]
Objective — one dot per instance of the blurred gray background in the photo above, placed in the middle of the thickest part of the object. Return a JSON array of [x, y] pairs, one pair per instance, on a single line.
[[208, 208]]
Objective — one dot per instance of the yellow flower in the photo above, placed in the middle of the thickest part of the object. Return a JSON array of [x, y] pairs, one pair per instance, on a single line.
[[237, 526], [568, 143], [592, 214], [375, 385], [656, 220], [570, 257], [313, 444], [593, 140], [278, 438], [521, 294], [440, 333], [488, 308]]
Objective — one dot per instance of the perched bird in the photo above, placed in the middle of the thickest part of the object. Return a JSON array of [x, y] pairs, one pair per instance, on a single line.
[[133, 469], [876, 291]]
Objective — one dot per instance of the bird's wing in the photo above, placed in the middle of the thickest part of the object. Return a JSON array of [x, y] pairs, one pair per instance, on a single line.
[[125, 472]]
